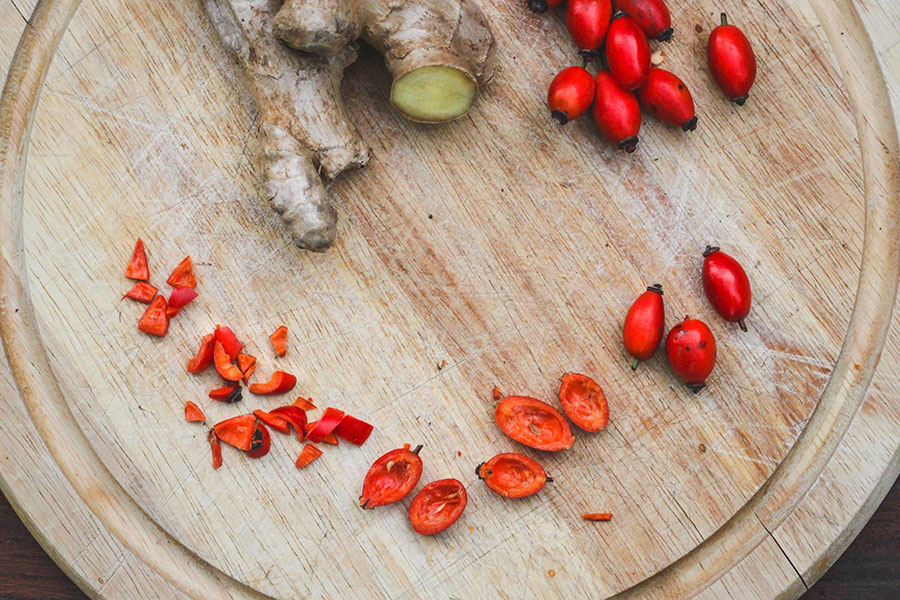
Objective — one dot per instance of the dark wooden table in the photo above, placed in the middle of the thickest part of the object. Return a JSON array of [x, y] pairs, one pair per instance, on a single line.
[[868, 570]]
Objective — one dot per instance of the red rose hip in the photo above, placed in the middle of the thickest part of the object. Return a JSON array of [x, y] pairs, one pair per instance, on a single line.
[[731, 61], [583, 401], [667, 98], [513, 475], [644, 325], [652, 16], [391, 477], [533, 423], [691, 351], [616, 113], [726, 286], [437, 506], [587, 21], [627, 52], [571, 93]]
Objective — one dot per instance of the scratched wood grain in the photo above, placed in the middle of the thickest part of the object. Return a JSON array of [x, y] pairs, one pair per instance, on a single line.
[[502, 244]]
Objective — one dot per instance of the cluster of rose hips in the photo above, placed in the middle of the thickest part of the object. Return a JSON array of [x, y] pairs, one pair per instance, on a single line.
[[628, 81], [690, 345]]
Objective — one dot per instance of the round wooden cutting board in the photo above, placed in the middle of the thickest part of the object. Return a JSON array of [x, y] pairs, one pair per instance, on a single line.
[[501, 245]]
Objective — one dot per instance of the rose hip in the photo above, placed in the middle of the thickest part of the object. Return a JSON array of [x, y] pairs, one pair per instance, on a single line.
[[583, 401], [726, 285], [533, 423], [645, 325], [667, 98], [691, 350], [587, 21], [652, 16], [438, 506], [731, 61], [627, 52], [571, 93], [616, 113], [512, 475], [391, 477]]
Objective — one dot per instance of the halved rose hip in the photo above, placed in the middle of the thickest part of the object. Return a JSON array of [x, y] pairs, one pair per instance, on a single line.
[[391, 477], [437, 506], [513, 475], [533, 423], [583, 401]]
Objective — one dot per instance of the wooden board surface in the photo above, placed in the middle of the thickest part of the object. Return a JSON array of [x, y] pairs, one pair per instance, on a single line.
[[500, 243]]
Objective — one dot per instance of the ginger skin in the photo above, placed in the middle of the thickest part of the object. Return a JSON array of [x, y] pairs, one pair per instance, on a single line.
[[438, 51]]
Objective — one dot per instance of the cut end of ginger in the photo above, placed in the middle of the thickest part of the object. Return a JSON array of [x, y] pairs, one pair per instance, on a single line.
[[434, 93]]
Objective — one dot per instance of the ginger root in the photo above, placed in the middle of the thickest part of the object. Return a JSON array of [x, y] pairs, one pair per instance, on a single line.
[[438, 51]]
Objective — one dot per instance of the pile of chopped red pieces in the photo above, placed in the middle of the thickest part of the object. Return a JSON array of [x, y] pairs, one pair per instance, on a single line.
[[222, 348]]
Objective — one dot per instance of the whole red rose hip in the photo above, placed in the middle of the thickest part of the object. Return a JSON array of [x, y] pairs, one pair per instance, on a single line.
[[616, 113], [726, 286], [587, 21], [731, 61], [667, 98], [627, 52], [644, 325], [691, 351], [571, 93]]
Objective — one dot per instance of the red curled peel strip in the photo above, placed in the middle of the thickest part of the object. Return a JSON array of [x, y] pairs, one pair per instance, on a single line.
[[353, 430], [216, 448], [304, 403], [224, 365], [279, 340], [181, 297], [277, 423], [204, 355], [331, 418], [294, 416], [280, 383], [225, 336]]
